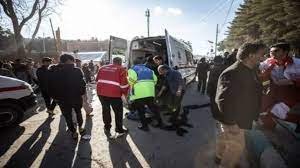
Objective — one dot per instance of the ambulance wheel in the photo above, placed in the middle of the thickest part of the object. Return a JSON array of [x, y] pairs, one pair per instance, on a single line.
[[10, 115]]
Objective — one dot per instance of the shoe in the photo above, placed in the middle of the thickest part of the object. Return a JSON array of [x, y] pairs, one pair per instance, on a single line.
[[170, 127], [158, 125], [81, 130], [74, 135], [217, 160], [122, 131], [143, 128], [107, 132], [181, 131]]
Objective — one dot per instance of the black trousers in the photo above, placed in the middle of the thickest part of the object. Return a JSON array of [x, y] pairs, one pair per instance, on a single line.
[[139, 104], [202, 84], [66, 110], [50, 103], [117, 106]]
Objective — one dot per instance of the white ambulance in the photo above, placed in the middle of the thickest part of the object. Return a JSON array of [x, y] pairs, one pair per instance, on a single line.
[[176, 53], [16, 97]]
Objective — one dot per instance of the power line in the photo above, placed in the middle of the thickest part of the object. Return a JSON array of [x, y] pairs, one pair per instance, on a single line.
[[226, 17], [218, 6]]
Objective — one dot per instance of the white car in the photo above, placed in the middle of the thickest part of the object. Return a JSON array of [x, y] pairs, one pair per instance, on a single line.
[[16, 97]]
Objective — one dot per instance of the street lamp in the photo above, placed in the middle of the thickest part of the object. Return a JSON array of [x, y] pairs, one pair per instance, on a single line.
[[147, 14]]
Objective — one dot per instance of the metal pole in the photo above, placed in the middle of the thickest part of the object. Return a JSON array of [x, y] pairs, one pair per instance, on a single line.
[[147, 13], [216, 42], [53, 35], [109, 48], [44, 46]]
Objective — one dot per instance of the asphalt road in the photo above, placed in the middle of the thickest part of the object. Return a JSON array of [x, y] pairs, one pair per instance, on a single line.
[[41, 141]]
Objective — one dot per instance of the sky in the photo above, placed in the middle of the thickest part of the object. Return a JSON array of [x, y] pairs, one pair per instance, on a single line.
[[191, 20]]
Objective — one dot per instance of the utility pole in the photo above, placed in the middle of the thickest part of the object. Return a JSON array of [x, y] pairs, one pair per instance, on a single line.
[[147, 14], [53, 35], [216, 42], [44, 46]]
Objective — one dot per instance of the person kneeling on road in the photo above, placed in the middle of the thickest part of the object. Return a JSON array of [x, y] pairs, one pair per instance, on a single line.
[[175, 85], [142, 81]]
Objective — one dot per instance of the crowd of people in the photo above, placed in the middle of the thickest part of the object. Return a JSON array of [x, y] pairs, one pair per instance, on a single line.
[[64, 84], [246, 86], [243, 86]]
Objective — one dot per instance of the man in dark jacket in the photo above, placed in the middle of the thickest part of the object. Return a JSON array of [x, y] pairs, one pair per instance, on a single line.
[[216, 70], [231, 58], [238, 98], [67, 87], [43, 79], [201, 72]]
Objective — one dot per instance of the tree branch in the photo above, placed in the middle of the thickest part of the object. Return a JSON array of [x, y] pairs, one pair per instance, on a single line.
[[4, 6], [40, 16], [33, 10]]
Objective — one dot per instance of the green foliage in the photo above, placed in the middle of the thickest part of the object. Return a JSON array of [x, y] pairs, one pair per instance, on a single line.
[[6, 38], [268, 21]]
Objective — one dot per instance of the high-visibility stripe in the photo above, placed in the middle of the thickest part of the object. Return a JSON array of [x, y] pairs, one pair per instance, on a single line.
[[109, 82], [145, 81], [124, 86], [113, 83]]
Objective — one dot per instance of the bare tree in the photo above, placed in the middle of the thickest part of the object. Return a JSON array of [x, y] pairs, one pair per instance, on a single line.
[[24, 12]]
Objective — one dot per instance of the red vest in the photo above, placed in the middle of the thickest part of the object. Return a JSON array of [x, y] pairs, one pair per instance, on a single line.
[[112, 81]]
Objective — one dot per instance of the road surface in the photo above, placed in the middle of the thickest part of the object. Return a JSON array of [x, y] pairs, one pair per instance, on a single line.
[[41, 141]]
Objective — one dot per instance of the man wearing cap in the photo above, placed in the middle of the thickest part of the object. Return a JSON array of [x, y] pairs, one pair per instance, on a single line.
[[43, 77]]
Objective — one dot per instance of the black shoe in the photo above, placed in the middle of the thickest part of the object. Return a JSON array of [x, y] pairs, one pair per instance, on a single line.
[[123, 131], [107, 132], [217, 160], [170, 127], [181, 131], [188, 125], [74, 135], [81, 131], [157, 124], [143, 128]]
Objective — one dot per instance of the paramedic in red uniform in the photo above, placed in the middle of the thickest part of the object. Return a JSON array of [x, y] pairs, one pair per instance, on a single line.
[[111, 85]]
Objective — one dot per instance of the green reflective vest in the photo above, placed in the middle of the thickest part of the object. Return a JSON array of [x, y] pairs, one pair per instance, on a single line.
[[142, 81]]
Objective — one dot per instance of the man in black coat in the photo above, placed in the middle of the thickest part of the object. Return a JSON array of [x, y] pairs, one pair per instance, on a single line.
[[67, 86], [42, 74], [238, 98], [201, 72], [216, 70]]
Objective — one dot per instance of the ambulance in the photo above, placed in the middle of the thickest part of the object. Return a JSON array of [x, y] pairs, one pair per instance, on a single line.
[[16, 97], [176, 53]]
